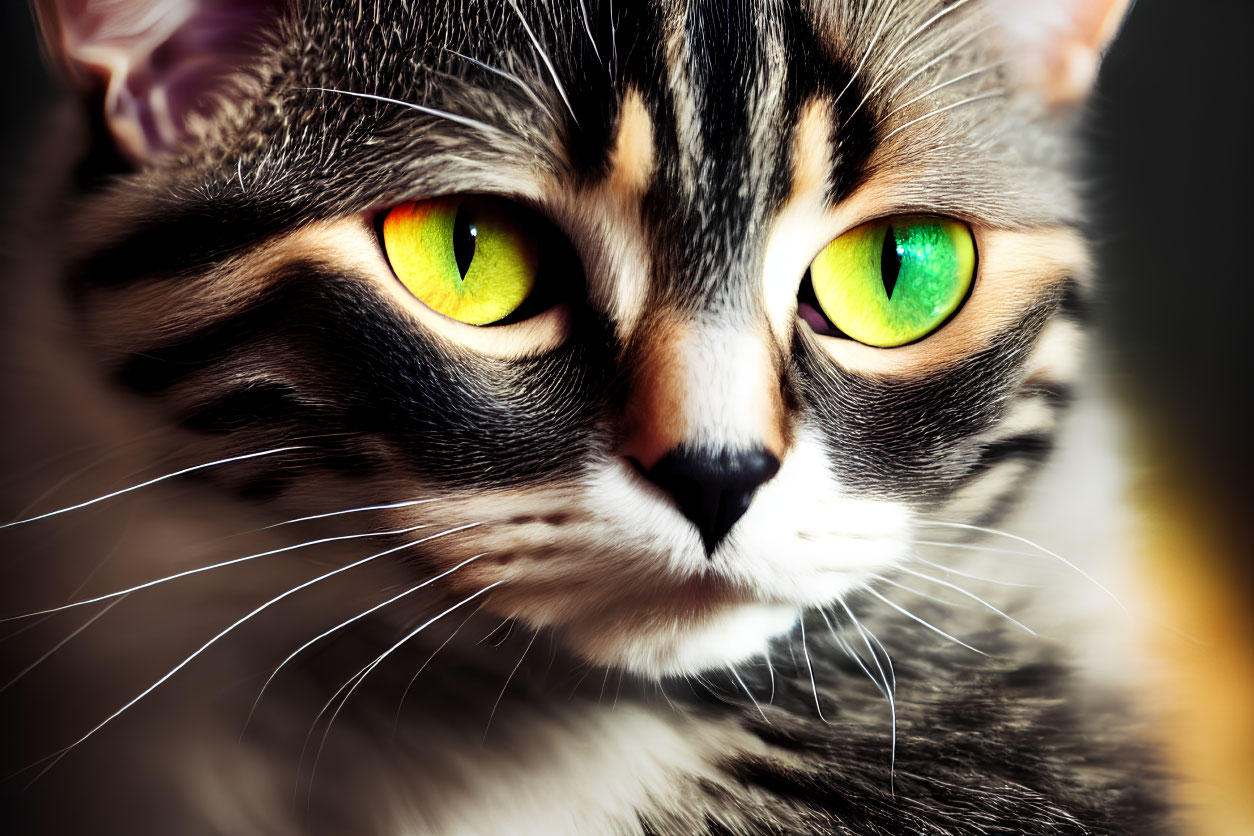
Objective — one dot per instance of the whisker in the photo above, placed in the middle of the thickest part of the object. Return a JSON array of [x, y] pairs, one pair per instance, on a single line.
[[1037, 546], [60, 644], [505, 687], [923, 27], [968, 594], [892, 95], [770, 670], [662, 690], [880, 685], [361, 675], [526, 88], [941, 86], [617, 690], [404, 694], [186, 661], [970, 547], [890, 691], [557, 82], [198, 570], [914, 617], [495, 132], [410, 591], [748, 693], [387, 506], [588, 28], [813, 685], [992, 94], [906, 41], [149, 483], [870, 47], [604, 681]]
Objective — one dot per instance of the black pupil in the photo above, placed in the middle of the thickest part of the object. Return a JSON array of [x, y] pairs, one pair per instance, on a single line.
[[890, 262], [464, 235]]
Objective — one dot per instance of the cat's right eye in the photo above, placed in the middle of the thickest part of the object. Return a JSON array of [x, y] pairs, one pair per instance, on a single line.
[[890, 282], [478, 260]]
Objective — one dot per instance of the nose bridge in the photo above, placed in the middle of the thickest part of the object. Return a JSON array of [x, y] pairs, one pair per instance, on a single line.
[[703, 382], [705, 418]]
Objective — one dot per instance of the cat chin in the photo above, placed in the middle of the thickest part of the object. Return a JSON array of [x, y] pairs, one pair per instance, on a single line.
[[731, 634]]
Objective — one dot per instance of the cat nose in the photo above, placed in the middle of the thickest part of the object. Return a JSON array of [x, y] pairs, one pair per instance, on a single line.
[[713, 488]]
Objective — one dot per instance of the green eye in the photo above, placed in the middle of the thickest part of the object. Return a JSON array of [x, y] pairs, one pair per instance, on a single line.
[[894, 281], [472, 259]]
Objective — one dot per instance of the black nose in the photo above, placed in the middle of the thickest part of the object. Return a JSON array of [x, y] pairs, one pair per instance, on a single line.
[[713, 487]]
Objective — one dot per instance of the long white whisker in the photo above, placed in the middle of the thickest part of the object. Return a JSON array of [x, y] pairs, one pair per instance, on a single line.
[[587, 27], [387, 506], [604, 681], [409, 591], [923, 27], [186, 661], [809, 666], [934, 61], [902, 45], [951, 571], [890, 691], [880, 685], [770, 669], [150, 482], [561, 90], [508, 76], [617, 690], [969, 594], [934, 629], [59, 645], [198, 570], [495, 132], [992, 94], [874, 40], [970, 547], [361, 675], [505, 687], [400, 705], [941, 86], [749, 693], [1037, 546]]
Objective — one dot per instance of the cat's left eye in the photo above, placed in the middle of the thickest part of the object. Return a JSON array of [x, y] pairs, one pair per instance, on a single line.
[[890, 282], [474, 259]]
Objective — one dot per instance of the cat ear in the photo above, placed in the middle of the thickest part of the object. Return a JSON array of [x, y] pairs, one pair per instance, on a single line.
[[161, 69], [1055, 46]]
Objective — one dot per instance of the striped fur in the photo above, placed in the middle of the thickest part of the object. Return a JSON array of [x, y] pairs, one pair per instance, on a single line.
[[232, 298]]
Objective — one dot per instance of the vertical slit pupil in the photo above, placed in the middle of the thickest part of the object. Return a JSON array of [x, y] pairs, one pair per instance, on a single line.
[[465, 235], [890, 262]]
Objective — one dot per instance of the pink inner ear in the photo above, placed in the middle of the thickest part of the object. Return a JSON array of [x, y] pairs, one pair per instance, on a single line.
[[162, 60], [1055, 45]]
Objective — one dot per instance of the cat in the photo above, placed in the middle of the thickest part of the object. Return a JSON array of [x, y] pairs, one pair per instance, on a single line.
[[564, 417]]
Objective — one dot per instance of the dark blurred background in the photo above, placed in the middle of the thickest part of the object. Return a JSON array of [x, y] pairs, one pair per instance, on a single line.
[[1170, 175]]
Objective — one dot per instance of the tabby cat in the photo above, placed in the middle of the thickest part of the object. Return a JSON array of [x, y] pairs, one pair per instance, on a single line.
[[563, 417]]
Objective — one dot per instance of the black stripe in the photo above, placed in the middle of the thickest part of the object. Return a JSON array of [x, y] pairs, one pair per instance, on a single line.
[[1053, 393], [268, 403], [469, 421], [172, 245], [906, 438], [1074, 303], [1030, 446]]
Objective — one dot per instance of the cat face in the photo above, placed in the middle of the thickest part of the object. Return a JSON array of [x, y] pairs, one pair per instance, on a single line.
[[671, 444]]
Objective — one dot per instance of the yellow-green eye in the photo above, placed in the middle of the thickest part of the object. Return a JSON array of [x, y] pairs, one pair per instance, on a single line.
[[473, 259], [894, 281]]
